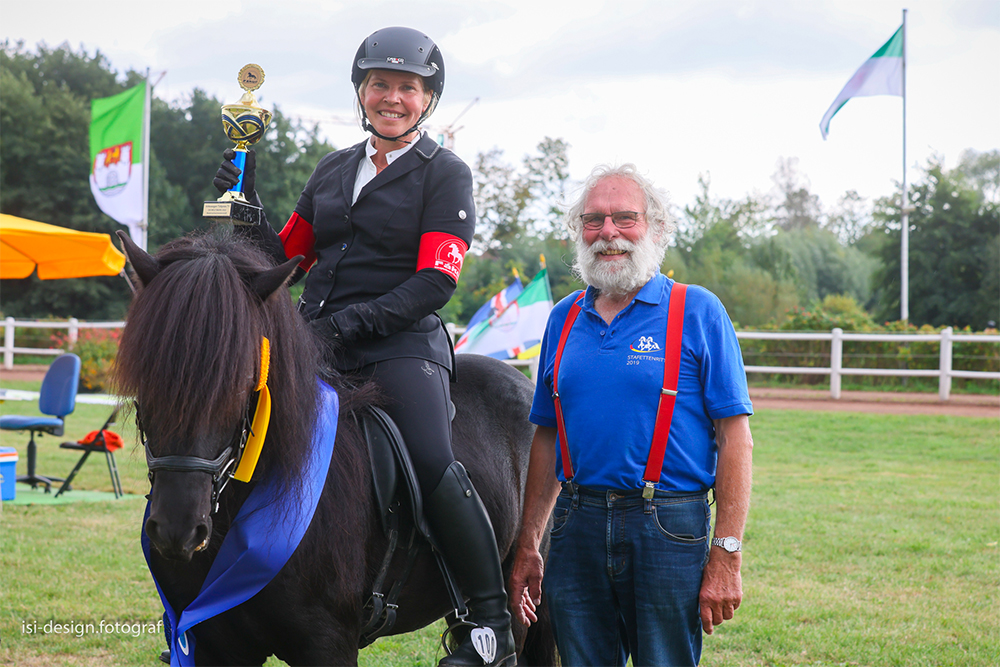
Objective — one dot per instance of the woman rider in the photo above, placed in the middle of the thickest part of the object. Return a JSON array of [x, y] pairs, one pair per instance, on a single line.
[[384, 226]]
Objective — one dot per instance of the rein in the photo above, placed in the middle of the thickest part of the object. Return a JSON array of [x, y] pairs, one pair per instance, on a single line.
[[239, 459]]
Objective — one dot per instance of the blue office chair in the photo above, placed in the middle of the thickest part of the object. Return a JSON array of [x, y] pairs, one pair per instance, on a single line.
[[58, 399]]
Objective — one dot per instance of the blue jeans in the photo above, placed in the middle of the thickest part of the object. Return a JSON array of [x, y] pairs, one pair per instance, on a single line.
[[623, 577]]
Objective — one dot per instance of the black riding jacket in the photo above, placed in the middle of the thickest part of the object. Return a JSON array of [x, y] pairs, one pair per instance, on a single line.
[[384, 265]]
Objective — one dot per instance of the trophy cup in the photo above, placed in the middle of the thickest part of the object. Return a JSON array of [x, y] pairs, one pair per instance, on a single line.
[[245, 123]]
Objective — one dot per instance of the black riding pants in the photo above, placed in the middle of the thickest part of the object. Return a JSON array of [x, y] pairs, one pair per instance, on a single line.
[[417, 397]]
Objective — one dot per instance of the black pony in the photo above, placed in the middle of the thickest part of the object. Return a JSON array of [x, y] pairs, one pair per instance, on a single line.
[[191, 357]]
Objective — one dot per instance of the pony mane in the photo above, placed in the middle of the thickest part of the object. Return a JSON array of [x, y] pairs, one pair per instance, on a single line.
[[191, 352]]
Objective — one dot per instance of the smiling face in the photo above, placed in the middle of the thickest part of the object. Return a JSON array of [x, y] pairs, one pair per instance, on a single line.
[[616, 261], [608, 196], [393, 101]]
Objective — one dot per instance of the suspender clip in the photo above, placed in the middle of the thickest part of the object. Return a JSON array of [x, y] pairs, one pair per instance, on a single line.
[[647, 493], [668, 392]]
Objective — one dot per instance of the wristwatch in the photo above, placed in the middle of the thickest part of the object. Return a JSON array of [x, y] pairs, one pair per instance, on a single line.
[[730, 544]]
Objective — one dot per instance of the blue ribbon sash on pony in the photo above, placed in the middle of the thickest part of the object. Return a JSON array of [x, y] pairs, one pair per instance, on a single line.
[[252, 553]]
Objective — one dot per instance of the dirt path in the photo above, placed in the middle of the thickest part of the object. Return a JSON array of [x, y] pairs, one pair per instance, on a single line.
[[960, 405], [898, 403]]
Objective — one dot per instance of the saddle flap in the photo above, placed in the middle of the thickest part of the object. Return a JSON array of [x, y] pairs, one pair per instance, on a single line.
[[390, 465]]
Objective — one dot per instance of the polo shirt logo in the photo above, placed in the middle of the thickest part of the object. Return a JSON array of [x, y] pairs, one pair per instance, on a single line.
[[645, 344]]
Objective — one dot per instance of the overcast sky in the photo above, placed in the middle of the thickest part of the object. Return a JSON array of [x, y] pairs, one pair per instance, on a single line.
[[681, 88]]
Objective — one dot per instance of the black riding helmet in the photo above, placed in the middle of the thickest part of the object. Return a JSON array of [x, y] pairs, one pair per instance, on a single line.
[[404, 50]]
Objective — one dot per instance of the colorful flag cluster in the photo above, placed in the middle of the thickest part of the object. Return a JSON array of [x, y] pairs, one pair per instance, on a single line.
[[514, 330]]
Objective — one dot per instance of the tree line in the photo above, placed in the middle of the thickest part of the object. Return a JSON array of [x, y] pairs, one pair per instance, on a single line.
[[764, 254]]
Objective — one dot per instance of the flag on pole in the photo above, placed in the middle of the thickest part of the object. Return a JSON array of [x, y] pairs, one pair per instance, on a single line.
[[497, 304], [882, 74], [116, 157], [516, 331]]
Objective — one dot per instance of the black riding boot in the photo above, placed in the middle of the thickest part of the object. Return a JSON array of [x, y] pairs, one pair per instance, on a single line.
[[462, 527]]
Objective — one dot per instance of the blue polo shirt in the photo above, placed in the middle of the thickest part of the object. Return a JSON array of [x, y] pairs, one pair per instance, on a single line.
[[610, 379]]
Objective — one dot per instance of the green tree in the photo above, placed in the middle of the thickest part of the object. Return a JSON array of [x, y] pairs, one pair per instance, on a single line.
[[189, 139], [851, 219], [726, 246], [797, 207], [825, 267], [954, 243], [44, 166], [512, 202], [518, 219]]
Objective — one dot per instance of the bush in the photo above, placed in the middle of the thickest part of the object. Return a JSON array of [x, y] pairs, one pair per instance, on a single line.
[[97, 349]]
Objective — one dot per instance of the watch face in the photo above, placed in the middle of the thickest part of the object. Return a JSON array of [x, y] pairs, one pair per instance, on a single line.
[[730, 544]]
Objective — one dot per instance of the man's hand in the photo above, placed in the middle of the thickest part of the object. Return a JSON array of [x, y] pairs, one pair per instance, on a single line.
[[526, 585], [721, 588], [721, 583], [540, 493]]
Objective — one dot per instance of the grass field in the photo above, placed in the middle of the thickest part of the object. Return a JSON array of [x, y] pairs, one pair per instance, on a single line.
[[872, 541]]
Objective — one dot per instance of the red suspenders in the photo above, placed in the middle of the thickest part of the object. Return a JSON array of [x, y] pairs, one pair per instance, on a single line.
[[560, 424], [668, 394]]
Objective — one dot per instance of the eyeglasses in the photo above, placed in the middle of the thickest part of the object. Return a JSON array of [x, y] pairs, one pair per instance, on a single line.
[[622, 219]]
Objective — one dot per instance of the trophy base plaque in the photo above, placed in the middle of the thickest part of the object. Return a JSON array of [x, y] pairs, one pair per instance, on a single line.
[[234, 212]]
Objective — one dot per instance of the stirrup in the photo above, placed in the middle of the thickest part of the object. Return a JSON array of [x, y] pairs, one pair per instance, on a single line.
[[460, 621]]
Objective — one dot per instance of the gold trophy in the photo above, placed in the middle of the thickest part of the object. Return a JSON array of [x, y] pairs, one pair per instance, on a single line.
[[245, 123]]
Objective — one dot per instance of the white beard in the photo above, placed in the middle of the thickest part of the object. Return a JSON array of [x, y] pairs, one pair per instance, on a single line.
[[617, 278]]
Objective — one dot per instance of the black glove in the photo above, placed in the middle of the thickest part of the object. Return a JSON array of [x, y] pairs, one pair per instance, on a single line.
[[328, 332], [229, 174]]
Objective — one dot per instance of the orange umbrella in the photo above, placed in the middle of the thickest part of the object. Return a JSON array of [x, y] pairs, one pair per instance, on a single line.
[[58, 252]]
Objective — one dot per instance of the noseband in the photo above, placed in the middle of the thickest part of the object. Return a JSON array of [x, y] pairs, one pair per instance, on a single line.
[[222, 469]]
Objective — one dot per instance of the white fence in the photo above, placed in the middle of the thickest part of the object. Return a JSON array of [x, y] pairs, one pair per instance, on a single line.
[[73, 325], [945, 373]]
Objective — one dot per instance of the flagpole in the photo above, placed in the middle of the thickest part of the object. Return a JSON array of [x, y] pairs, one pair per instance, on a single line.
[[145, 164], [904, 298]]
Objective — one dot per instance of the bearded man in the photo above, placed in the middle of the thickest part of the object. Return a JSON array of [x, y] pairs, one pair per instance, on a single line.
[[641, 407]]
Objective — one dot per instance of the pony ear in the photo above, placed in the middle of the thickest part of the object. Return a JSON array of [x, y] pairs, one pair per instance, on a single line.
[[266, 283], [146, 266]]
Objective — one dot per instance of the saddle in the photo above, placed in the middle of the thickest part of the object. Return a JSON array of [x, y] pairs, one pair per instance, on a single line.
[[396, 490]]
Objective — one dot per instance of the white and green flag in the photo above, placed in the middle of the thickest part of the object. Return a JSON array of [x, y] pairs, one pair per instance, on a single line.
[[116, 160], [882, 74], [516, 331]]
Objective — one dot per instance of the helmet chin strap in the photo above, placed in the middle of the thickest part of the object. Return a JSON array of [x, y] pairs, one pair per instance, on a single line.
[[368, 127]]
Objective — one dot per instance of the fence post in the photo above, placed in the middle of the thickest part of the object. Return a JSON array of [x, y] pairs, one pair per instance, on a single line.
[[944, 382], [533, 368], [8, 343], [836, 361], [74, 331]]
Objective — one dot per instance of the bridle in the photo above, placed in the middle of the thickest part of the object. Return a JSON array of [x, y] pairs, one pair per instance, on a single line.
[[222, 469], [239, 459]]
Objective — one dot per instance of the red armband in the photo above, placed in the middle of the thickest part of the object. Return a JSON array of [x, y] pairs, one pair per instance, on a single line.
[[442, 251], [298, 239]]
